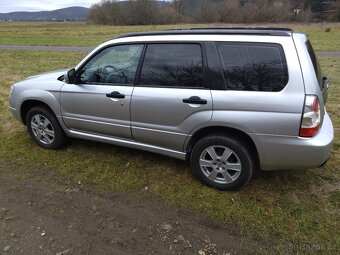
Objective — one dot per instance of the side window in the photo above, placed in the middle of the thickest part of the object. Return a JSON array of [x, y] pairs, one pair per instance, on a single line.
[[253, 66], [113, 65], [315, 62], [172, 65]]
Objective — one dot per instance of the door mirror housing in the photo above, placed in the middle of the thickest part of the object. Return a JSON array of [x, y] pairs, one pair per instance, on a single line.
[[70, 76]]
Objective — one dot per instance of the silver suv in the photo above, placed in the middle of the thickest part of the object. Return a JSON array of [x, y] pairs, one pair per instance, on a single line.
[[230, 100]]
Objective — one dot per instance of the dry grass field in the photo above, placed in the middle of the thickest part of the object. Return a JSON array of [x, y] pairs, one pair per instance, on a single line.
[[81, 34]]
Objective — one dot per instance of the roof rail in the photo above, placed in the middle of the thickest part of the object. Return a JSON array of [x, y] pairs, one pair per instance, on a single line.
[[216, 31], [236, 28]]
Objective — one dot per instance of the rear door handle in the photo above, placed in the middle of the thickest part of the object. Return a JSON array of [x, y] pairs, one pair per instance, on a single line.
[[115, 94], [194, 100]]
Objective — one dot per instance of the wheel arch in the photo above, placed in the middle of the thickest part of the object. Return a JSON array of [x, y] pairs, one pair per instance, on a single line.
[[29, 104], [206, 131]]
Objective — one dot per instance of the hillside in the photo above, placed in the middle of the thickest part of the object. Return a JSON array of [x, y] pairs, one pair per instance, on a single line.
[[71, 13]]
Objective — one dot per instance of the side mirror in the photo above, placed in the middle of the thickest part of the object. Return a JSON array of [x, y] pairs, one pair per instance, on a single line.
[[70, 76]]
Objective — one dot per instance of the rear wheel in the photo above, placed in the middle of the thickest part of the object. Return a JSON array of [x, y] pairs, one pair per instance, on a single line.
[[222, 162], [44, 128]]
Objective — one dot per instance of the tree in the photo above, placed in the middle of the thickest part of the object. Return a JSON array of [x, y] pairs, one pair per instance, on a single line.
[[207, 12]]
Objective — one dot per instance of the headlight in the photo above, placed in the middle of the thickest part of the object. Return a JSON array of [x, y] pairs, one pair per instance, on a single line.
[[11, 90]]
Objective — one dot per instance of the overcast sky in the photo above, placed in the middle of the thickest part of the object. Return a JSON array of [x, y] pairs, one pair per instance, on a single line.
[[41, 5]]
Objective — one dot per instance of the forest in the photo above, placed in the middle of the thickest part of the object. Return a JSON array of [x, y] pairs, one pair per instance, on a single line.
[[149, 12]]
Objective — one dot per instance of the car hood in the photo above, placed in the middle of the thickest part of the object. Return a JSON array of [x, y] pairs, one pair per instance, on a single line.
[[45, 81], [48, 75]]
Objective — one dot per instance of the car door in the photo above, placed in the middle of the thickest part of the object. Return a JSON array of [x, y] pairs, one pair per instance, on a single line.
[[171, 98], [99, 102]]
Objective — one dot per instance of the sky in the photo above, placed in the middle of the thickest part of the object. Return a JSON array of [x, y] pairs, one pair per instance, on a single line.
[[41, 5]]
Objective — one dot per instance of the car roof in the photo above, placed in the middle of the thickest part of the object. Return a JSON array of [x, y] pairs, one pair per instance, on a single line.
[[215, 31]]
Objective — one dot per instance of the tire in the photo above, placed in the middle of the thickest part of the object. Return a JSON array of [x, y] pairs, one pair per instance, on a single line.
[[44, 128], [222, 162]]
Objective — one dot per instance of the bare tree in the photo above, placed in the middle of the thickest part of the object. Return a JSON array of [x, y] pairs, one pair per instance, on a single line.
[[207, 12], [142, 12]]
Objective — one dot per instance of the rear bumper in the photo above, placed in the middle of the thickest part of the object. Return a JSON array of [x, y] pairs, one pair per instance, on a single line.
[[290, 152]]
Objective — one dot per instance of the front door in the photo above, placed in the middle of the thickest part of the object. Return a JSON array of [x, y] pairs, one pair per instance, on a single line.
[[100, 101]]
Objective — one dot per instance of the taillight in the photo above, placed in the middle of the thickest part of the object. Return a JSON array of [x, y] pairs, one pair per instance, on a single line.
[[311, 118]]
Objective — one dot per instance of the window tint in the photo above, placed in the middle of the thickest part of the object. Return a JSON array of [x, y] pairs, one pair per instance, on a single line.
[[312, 55], [172, 65], [314, 61], [113, 65], [253, 66]]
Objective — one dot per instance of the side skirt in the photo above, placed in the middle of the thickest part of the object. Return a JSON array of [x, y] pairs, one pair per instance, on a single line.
[[127, 143]]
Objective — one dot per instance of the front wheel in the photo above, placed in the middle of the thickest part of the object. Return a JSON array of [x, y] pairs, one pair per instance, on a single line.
[[44, 128], [222, 162]]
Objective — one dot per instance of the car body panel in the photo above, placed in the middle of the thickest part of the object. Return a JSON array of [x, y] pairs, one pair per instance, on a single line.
[[160, 117], [128, 143], [290, 152], [310, 80], [43, 87], [87, 108]]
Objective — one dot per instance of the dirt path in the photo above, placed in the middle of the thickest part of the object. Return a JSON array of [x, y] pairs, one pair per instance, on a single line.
[[41, 213], [329, 54]]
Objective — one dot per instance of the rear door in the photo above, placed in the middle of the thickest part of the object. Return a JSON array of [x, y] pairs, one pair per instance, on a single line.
[[171, 97]]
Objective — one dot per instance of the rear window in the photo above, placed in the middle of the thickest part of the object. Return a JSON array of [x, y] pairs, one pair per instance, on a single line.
[[314, 61], [253, 66]]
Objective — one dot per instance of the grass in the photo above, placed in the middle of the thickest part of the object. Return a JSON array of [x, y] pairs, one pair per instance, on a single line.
[[82, 34], [298, 207]]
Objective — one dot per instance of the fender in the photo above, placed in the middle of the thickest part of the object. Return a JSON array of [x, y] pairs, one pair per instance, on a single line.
[[50, 98]]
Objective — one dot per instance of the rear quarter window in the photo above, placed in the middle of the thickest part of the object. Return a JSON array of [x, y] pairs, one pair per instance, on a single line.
[[315, 61], [253, 66]]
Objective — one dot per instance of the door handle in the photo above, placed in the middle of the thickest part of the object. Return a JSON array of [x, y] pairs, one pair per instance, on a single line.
[[194, 100], [115, 94]]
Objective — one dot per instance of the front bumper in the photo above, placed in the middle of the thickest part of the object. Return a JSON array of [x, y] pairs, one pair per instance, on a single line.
[[15, 113]]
